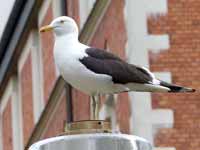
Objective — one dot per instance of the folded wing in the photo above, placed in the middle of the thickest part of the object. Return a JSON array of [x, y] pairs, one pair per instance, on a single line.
[[102, 62]]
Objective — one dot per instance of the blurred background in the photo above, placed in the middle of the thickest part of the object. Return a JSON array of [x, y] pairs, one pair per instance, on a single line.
[[163, 35], [5, 10]]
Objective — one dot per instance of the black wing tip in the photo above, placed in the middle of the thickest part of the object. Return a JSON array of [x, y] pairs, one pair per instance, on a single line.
[[193, 90], [176, 88], [182, 89]]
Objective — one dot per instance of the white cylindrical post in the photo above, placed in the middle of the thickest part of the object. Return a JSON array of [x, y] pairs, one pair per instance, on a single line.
[[97, 141]]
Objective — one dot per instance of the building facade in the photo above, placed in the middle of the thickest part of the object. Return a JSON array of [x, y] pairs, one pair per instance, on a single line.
[[35, 102]]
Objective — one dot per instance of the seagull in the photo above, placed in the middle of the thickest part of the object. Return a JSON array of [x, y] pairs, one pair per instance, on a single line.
[[95, 71]]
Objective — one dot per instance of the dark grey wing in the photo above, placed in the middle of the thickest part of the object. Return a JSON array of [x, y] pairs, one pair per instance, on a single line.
[[102, 62], [101, 54]]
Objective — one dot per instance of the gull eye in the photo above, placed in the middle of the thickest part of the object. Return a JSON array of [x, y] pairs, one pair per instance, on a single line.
[[62, 21]]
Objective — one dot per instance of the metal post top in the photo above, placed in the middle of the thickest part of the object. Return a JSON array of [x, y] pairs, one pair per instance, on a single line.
[[97, 141], [88, 126]]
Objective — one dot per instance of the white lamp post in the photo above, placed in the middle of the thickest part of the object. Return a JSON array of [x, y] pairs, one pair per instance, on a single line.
[[92, 135], [98, 141]]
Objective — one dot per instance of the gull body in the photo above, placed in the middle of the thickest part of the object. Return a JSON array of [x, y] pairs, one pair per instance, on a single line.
[[68, 64], [76, 73], [95, 71]]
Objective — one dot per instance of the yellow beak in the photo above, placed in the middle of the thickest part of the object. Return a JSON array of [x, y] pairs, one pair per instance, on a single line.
[[46, 28]]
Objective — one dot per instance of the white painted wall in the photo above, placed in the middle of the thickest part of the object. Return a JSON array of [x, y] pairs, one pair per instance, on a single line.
[[37, 75], [17, 125]]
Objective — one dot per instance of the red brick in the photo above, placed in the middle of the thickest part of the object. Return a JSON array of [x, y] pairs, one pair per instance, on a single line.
[[27, 98], [181, 60], [73, 10], [110, 28], [123, 112], [58, 119], [81, 106], [7, 127]]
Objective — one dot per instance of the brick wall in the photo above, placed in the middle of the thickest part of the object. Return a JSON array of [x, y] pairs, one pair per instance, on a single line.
[[73, 9], [58, 119], [7, 127], [27, 98], [182, 60]]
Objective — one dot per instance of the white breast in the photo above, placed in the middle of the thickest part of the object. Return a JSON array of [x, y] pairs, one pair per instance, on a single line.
[[75, 73]]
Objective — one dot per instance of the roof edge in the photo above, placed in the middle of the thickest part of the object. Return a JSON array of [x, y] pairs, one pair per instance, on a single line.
[[10, 26]]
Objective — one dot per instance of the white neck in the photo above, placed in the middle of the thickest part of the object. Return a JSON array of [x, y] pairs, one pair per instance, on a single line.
[[67, 39], [71, 36], [66, 46]]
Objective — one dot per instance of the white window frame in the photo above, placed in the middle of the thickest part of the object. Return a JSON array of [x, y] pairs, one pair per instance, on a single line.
[[17, 124], [37, 76]]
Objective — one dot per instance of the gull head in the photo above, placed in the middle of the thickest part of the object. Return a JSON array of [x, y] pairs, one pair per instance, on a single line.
[[62, 26]]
